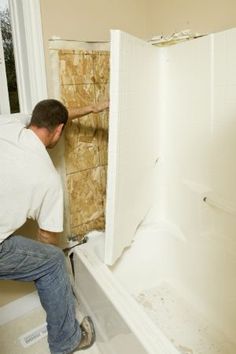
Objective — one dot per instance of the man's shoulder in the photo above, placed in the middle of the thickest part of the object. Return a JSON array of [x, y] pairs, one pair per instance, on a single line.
[[21, 118]]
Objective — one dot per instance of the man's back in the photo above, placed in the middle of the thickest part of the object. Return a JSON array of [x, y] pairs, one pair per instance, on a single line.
[[29, 184]]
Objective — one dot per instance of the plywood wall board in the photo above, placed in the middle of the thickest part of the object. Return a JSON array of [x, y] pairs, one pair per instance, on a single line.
[[83, 79], [85, 193], [83, 157], [76, 68], [78, 95], [101, 62]]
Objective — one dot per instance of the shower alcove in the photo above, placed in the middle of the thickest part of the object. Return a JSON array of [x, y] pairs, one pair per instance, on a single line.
[[161, 278]]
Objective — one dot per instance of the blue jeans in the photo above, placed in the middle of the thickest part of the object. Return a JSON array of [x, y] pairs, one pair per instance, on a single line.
[[27, 260]]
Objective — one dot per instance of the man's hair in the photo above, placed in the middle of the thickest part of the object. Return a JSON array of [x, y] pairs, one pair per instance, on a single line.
[[49, 114]]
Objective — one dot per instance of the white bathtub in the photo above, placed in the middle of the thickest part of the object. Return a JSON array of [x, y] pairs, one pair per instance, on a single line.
[[142, 304]]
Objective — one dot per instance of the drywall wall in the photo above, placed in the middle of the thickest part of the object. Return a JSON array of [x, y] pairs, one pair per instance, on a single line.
[[90, 20], [204, 16]]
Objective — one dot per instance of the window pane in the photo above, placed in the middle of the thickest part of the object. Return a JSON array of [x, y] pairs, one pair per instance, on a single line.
[[9, 55]]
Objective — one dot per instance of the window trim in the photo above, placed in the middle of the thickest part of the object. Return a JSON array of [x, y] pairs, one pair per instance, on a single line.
[[29, 52]]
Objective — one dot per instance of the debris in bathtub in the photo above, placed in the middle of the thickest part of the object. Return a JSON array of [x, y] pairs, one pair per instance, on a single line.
[[181, 348], [179, 319], [142, 299], [185, 350]]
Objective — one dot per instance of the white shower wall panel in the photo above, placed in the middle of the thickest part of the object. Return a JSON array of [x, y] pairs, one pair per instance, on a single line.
[[198, 154], [133, 139], [224, 122], [188, 110], [223, 170]]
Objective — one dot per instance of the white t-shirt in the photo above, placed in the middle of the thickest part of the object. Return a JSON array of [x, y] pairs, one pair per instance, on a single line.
[[30, 187]]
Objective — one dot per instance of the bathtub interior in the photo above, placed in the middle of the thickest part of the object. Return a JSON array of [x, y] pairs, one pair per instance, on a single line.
[[156, 271], [121, 323], [151, 274]]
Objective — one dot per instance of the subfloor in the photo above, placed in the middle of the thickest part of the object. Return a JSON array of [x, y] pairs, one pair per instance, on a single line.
[[187, 330], [22, 331]]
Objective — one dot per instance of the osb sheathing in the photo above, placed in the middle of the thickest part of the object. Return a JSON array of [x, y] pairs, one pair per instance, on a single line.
[[84, 79]]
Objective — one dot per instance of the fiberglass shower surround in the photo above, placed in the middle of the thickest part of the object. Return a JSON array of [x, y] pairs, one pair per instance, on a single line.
[[171, 166]]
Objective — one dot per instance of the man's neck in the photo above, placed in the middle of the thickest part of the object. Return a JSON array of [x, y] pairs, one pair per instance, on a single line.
[[42, 133]]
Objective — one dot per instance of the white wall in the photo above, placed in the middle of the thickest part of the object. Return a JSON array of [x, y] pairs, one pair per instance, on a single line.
[[204, 16], [90, 20], [198, 160]]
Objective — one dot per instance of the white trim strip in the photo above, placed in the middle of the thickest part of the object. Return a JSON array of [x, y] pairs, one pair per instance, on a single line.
[[35, 50], [29, 52], [19, 307]]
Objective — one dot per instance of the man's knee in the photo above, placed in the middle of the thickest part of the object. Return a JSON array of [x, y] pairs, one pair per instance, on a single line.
[[58, 255]]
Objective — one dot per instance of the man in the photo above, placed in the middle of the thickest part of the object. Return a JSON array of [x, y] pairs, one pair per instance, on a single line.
[[31, 188]]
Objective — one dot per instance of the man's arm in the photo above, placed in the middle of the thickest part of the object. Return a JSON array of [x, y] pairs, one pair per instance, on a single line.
[[83, 111], [49, 237]]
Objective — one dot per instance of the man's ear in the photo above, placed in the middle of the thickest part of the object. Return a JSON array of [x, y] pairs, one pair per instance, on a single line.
[[59, 129]]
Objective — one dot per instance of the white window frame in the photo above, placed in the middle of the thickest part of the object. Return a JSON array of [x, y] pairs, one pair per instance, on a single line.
[[29, 53]]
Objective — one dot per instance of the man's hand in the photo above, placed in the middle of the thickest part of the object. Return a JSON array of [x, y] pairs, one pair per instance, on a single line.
[[100, 106], [48, 237]]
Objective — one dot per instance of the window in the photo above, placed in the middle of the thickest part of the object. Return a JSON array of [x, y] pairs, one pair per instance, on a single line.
[[8, 59], [22, 63]]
